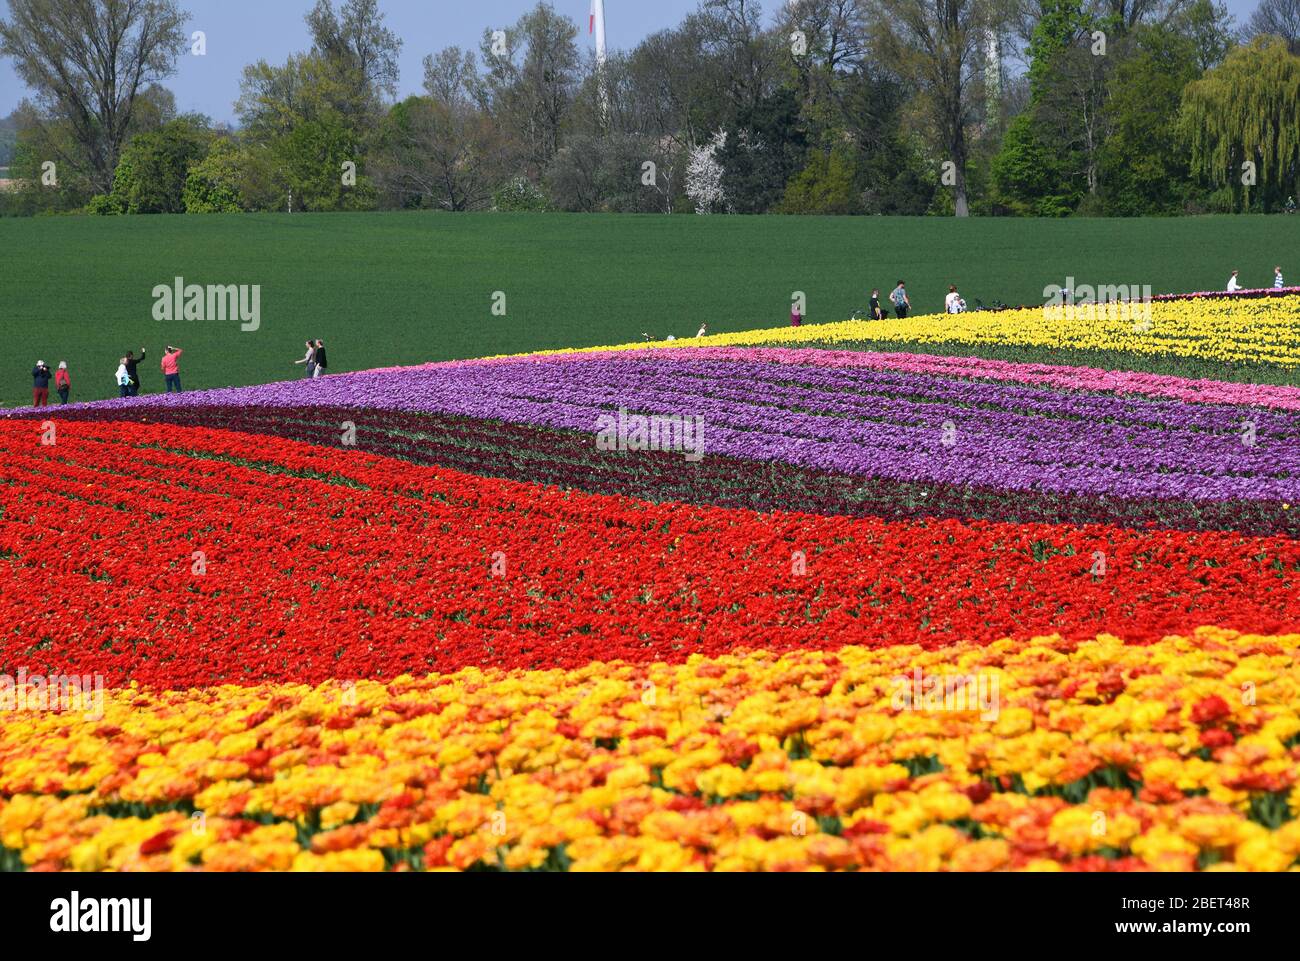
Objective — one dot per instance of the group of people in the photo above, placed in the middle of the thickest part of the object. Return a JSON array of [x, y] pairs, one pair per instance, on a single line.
[[1234, 284], [41, 378], [127, 377], [953, 304], [316, 360], [128, 371], [902, 303]]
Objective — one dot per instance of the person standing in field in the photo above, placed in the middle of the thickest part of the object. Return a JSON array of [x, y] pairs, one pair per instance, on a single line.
[[796, 318], [123, 379], [1277, 278], [40, 385], [900, 300], [877, 312], [171, 368], [132, 369], [1233, 284], [309, 359], [322, 362], [62, 382], [703, 331]]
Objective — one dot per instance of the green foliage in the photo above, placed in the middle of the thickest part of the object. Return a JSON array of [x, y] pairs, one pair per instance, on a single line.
[[520, 195], [1144, 162], [1248, 110], [762, 152], [150, 177], [8, 138], [1063, 22], [824, 186], [310, 159], [213, 185], [1029, 176]]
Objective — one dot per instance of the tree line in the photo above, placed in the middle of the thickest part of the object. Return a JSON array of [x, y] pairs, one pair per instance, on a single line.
[[990, 107]]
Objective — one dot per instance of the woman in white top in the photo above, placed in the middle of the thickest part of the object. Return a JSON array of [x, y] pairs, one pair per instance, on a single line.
[[123, 378], [953, 303], [1233, 285]]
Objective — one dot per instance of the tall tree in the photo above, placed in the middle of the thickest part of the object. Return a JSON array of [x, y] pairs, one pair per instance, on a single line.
[[731, 33], [532, 77], [451, 77], [1247, 112], [1145, 163], [1211, 29], [1279, 18], [447, 156], [356, 39], [939, 46], [828, 41], [89, 61]]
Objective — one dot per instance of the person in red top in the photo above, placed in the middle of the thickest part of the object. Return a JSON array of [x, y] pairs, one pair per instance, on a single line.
[[796, 319], [171, 368], [62, 382]]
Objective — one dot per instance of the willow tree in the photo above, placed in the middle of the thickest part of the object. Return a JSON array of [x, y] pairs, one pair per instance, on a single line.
[[1242, 121]]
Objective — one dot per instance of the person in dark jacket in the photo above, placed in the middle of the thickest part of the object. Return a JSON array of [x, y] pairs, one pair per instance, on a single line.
[[41, 385], [132, 361], [876, 312], [322, 363]]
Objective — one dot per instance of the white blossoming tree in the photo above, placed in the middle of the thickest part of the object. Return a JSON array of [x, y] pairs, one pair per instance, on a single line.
[[704, 175]]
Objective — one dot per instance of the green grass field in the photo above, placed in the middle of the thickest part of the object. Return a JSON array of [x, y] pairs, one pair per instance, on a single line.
[[402, 288]]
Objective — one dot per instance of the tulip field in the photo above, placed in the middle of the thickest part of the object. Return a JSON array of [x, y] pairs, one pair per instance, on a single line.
[[931, 597]]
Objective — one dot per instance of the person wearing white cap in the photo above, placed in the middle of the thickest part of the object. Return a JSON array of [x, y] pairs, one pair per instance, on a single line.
[[62, 382], [40, 385]]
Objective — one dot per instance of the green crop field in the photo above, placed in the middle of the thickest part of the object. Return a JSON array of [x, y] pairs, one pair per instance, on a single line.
[[402, 288]]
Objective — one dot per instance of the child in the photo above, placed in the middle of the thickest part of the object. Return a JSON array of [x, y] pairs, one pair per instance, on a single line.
[[1277, 278], [877, 312], [62, 382]]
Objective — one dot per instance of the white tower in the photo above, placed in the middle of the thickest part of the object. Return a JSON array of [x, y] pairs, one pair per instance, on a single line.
[[596, 25]]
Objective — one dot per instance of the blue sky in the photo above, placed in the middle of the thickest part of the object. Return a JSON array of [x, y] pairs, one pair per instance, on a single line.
[[240, 32]]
